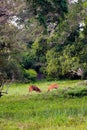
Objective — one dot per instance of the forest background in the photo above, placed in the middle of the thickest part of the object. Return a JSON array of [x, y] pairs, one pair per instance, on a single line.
[[43, 39]]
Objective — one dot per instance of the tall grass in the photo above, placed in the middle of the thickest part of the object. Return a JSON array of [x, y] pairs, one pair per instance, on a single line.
[[21, 110]]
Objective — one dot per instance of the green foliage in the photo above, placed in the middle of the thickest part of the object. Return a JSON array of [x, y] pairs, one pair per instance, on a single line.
[[10, 50], [13, 70], [53, 55], [30, 75], [39, 49], [70, 48], [75, 92], [53, 65], [28, 60], [48, 10]]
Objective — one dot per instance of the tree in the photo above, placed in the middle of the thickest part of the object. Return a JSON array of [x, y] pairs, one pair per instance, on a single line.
[[48, 11], [9, 42], [66, 42], [53, 67]]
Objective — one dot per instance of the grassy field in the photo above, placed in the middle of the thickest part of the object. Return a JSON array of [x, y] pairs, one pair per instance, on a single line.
[[62, 109]]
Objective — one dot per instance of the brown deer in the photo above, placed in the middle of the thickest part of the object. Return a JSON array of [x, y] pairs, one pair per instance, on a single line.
[[34, 88], [52, 86]]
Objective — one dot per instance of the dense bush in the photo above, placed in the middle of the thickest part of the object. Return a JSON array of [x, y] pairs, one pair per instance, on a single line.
[[30, 75]]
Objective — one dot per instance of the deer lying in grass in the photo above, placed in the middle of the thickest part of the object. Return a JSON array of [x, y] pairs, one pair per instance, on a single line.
[[34, 88], [52, 86]]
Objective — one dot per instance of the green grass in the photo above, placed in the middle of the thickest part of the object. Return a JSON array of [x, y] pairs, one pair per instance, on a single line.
[[56, 110]]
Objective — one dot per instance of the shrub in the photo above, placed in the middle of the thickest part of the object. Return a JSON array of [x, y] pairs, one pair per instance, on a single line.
[[30, 74], [84, 75]]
